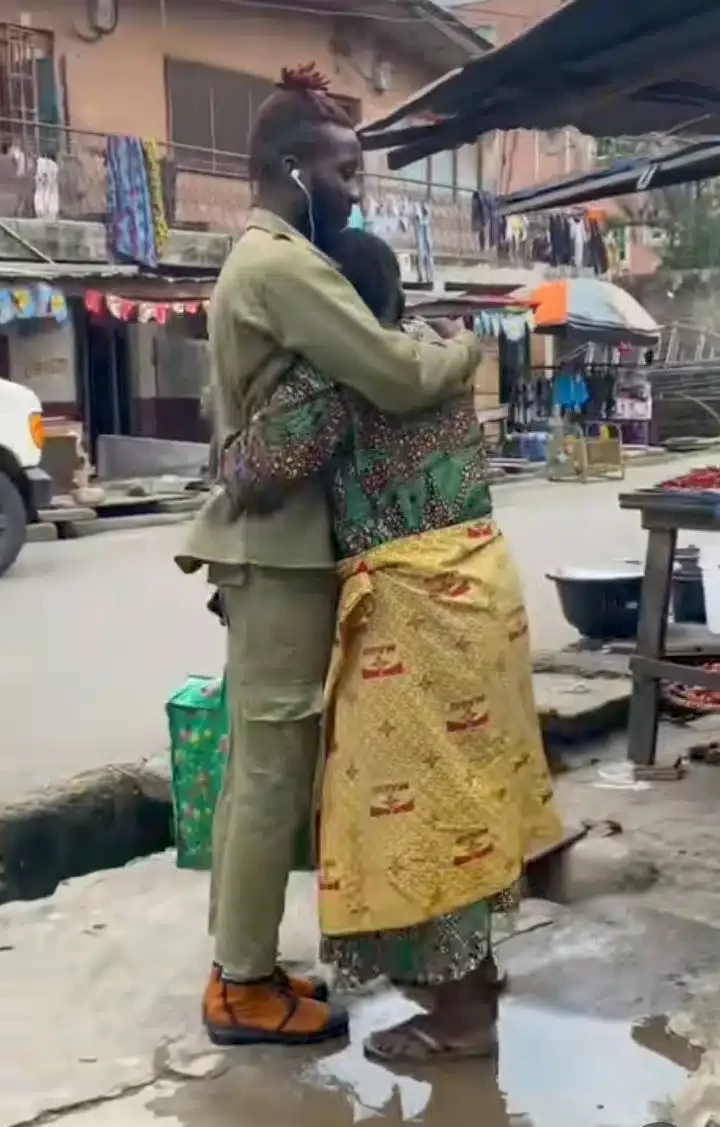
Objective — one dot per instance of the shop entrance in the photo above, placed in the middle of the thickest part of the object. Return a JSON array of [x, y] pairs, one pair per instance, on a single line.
[[105, 392]]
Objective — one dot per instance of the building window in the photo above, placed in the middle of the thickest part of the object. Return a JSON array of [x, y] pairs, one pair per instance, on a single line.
[[29, 91], [211, 112], [442, 170], [467, 168], [454, 171], [449, 172], [210, 115]]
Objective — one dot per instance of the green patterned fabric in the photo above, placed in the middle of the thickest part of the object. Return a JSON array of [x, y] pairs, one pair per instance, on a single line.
[[198, 719], [387, 477], [199, 742]]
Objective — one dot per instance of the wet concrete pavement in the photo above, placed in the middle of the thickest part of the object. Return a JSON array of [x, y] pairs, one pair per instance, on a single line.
[[101, 1025], [553, 1070], [101, 984], [577, 1048]]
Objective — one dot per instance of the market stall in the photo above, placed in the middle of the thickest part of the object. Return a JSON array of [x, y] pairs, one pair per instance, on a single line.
[[597, 398], [692, 505], [504, 323]]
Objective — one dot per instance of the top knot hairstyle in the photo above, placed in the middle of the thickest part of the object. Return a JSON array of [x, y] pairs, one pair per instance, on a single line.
[[287, 121], [304, 80]]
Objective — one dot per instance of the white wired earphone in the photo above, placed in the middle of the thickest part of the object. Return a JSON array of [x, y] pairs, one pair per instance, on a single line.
[[296, 175]]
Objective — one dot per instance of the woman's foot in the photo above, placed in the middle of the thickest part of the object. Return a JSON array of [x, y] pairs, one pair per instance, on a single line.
[[488, 980], [421, 1039], [460, 1024], [490, 977]]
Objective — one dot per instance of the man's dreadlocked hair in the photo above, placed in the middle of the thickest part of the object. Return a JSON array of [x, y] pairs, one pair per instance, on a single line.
[[287, 120]]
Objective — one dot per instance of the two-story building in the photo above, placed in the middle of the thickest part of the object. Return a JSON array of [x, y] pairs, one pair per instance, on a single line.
[[190, 76]]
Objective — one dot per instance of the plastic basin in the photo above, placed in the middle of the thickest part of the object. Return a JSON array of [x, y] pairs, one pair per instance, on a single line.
[[601, 604]]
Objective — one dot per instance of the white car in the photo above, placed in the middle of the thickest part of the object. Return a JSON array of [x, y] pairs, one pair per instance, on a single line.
[[24, 486]]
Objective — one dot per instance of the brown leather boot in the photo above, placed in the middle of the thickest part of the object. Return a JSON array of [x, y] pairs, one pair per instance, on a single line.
[[267, 1013], [303, 987]]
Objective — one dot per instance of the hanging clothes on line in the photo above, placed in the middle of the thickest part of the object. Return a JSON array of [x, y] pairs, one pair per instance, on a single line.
[[577, 240], [485, 219], [131, 221], [425, 253], [577, 232], [388, 217], [598, 251]]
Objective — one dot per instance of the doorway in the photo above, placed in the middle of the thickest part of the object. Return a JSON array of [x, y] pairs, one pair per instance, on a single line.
[[105, 392]]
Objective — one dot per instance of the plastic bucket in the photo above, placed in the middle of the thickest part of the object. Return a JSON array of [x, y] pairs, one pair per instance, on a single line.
[[534, 446], [688, 598]]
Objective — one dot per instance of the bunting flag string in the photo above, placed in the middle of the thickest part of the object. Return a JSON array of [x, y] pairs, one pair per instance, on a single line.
[[25, 303], [142, 312]]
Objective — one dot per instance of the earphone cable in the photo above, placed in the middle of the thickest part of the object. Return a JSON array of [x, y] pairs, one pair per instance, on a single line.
[[308, 197]]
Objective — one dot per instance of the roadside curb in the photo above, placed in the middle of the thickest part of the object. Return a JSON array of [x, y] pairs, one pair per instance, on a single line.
[[97, 820], [72, 523], [104, 819]]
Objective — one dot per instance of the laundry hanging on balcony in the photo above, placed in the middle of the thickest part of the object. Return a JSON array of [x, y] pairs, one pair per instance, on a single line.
[[28, 303], [46, 197], [424, 244], [132, 231], [142, 312]]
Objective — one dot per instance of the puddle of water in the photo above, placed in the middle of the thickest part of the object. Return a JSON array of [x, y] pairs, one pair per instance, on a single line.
[[564, 1068], [555, 1070]]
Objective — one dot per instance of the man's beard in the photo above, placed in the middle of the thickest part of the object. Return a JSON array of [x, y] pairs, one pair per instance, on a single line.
[[326, 232], [327, 223]]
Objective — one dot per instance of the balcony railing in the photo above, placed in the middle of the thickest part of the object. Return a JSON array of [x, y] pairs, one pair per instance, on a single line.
[[208, 190]]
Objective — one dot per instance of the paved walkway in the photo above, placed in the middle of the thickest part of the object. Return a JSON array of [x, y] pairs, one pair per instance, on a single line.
[[118, 961], [97, 632]]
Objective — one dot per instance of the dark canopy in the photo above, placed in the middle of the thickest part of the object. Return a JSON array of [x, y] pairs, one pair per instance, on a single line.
[[625, 67], [691, 163]]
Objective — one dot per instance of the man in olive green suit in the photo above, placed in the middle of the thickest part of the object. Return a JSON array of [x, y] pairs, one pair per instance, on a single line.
[[279, 297]]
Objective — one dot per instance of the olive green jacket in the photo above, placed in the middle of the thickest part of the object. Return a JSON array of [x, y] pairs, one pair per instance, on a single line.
[[279, 297]]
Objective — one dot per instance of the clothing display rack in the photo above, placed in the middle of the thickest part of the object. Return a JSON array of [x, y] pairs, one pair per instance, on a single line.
[[587, 394]]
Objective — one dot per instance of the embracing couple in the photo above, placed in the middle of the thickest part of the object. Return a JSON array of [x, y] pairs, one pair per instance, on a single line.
[[378, 660]]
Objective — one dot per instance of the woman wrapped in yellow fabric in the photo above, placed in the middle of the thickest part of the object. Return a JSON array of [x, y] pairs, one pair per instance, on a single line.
[[434, 780]]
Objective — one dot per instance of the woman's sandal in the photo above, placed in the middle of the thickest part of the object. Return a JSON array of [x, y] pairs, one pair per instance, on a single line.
[[411, 1043], [494, 979]]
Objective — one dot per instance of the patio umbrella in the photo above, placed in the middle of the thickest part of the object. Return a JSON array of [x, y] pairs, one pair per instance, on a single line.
[[590, 309]]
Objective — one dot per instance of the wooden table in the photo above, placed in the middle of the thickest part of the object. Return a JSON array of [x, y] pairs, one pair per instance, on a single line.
[[664, 513]]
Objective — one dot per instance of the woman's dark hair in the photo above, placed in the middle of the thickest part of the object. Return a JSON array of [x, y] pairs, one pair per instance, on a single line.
[[288, 121], [370, 265]]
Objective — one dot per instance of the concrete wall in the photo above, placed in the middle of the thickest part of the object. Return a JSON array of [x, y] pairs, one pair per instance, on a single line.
[[118, 84], [168, 372], [121, 457], [44, 360]]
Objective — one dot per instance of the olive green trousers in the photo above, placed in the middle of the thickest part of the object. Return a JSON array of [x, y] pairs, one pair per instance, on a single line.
[[280, 630]]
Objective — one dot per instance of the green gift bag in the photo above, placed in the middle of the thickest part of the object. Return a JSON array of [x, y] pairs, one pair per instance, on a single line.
[[199, 729]]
